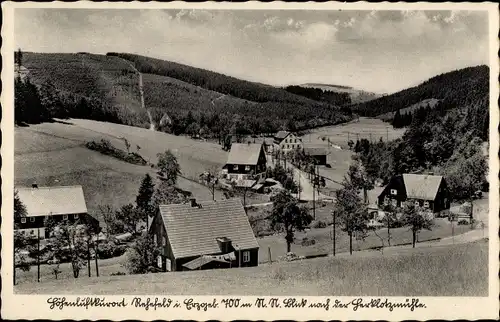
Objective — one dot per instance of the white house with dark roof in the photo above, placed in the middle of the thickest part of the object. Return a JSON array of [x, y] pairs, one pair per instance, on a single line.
[[246, 162], [286, 141], [204, 235], [425, 190], [59, 202]]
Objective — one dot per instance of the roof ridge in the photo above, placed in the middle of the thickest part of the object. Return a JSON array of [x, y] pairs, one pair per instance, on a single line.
[[49, 187]]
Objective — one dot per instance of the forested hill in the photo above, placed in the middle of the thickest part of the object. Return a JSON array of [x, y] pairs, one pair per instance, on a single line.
[[459, 88], [251, 91], [181, 99]]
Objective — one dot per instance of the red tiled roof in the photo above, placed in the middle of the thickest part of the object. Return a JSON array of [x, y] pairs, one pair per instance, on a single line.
[[193, 231]]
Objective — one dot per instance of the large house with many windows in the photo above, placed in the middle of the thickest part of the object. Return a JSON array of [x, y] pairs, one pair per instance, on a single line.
[[204, 235], [426, 191], [286, 141], [61, 203]]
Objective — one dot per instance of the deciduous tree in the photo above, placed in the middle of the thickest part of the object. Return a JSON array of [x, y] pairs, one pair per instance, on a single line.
[[288, 214], [168, 166]]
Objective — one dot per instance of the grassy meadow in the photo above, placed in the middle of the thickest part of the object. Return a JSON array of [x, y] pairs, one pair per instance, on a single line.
[[458, 270], [53, 154]]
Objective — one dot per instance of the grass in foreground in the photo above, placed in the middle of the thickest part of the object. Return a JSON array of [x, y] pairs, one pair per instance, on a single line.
[[460, 270]]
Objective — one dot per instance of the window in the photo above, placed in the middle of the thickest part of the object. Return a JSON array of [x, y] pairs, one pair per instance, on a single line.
[[247, 168], [394, 192], [295, 141], [426, 204], [155, 241], [164, 241], [23, 220], [246, 256], [235, 167], [65, 217], [75, 216], [32, 219], [417, 204]]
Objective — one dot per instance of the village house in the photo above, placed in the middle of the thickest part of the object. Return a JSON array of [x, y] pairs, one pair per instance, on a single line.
[[60, 203], [246, 162], [425, 190], [204, 235], [318, 153], [286, 141]]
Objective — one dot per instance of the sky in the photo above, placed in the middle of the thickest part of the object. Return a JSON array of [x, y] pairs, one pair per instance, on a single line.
[[379, 51]]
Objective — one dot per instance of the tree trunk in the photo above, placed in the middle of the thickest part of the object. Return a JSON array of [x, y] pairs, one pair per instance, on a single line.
[[350, 243], [76, 270], [288, 247], [414, 237]]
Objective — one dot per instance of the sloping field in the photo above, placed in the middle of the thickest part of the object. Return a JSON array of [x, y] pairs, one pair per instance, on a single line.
[[164, 94], [53, 154], [460, 270], [110, 79], [366, 128]]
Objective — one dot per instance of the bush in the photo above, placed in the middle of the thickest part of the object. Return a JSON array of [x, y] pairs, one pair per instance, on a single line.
[[105, 147], [463, 222], [307, 242], [118, 274], [318, 224], [109, 249]]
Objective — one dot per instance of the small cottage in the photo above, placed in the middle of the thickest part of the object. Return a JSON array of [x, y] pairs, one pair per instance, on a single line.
[[246, 161], [60, 203], [427, 191], [204, 235], [318, 153]]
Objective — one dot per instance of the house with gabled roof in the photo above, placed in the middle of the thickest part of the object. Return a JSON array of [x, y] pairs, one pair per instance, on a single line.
[[246, 161], [58, 202], [318, 153], [425, 190], [204, 235], [287, 141]]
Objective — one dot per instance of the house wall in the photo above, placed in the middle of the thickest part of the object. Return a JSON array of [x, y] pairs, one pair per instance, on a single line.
[[34, 222], [396, 183], [158, 229], [291, 142]]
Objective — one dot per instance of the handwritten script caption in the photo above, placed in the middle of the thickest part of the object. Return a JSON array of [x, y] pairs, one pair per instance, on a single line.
[[165, 303]]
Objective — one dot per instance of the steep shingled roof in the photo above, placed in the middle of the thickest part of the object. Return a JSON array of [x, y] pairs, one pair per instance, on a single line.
[[422, 186], [244, 153], [192, 231], [59, 200], [281, 135]]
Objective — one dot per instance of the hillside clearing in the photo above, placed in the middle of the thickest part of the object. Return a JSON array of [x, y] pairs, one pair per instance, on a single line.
[[460, 270], [53, 154]]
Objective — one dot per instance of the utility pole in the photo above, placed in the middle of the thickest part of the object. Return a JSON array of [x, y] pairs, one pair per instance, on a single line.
[[334, 226], [388, 229], [314, 192], [96, 248], [386, 134], [88, 251], [38, 256]]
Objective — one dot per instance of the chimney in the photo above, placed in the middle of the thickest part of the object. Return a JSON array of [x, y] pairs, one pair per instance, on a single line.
[[193, 202], [224, 244], [34, 185]]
